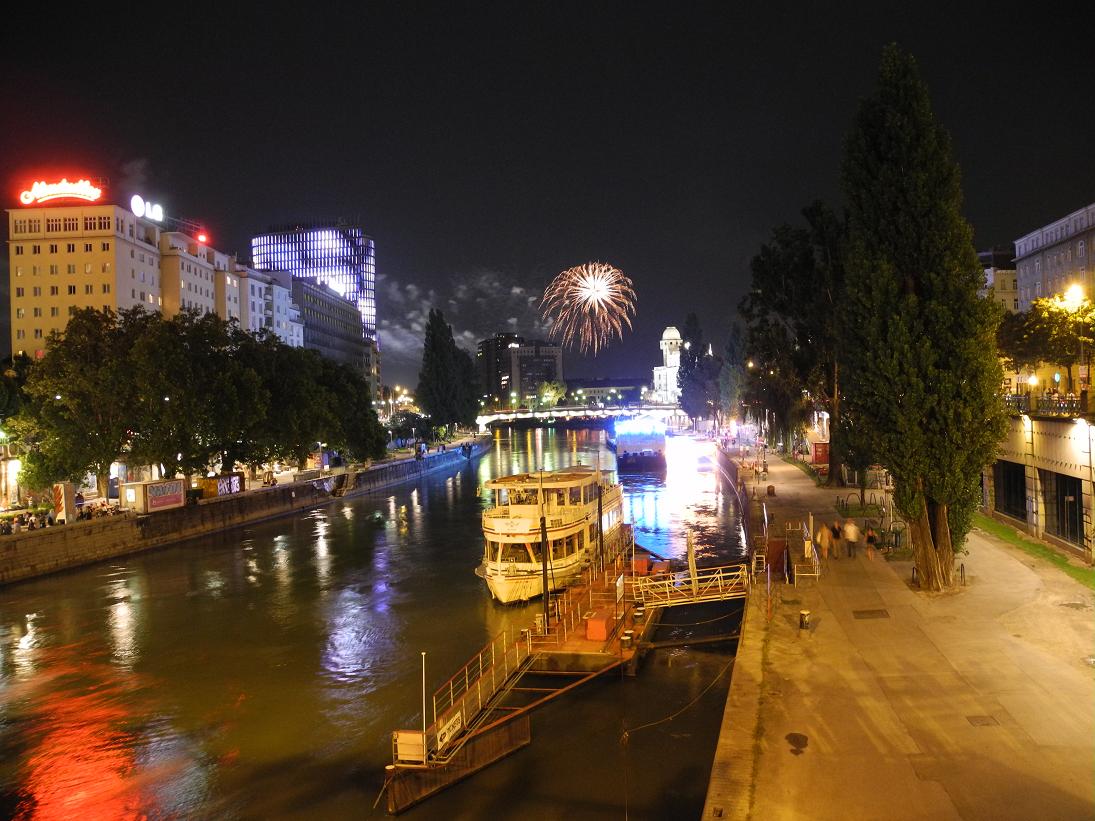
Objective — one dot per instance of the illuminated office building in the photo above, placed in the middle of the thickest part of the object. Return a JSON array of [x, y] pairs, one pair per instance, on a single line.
[[335, 254]]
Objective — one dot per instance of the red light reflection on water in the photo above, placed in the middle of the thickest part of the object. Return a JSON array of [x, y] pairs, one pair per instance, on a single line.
[[82, 764]]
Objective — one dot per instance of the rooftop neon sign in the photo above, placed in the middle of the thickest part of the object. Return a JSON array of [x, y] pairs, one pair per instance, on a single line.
[[64, 190]]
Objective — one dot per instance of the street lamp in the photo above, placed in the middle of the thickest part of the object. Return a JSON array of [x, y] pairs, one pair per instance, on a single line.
[[513, 400]]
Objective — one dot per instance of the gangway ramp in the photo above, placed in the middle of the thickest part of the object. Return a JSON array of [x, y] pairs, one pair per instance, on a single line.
[[482, 714], [692, 587]]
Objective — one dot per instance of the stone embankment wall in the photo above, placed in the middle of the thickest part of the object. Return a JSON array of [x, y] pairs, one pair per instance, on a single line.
[[36, 553]]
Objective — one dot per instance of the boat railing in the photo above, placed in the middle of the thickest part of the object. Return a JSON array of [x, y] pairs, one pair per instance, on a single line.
[[462, 698], [556, 516]]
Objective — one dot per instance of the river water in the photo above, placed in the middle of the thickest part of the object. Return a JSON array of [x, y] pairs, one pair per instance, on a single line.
[[259, 674]]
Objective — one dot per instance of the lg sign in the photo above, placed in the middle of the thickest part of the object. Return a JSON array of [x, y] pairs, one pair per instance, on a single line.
[[149, 210]]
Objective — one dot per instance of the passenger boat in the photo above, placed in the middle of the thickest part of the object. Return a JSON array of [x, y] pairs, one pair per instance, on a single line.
[[567, 498]]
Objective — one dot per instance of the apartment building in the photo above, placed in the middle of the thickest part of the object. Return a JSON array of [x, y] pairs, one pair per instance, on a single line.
[[76, 254], [1056, 256]]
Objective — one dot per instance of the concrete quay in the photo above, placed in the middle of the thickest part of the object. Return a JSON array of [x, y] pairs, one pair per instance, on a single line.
[[898, 704], [39, 552]]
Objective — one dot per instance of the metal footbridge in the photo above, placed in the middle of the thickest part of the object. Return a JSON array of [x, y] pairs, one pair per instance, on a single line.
[[693, 586]]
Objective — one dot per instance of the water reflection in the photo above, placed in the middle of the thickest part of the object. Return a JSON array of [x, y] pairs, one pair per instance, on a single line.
[[261, 672]]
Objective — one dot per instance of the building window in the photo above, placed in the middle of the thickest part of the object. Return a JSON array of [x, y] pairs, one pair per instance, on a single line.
[[19, 227], [72, 310], [72, 223], [37, 311], [1080, 248], [36, 249], [72, 290], [106, 246], [71, 269], [70, 247], [18, 292], [18, 250], [53, 247], [54, 311], [53, 224], [106, 287], [106, 267], [37, 291], [37, 333], [19, 313], [104, 223], [53, 269], [88, 289], [87, 247], [20, 334], [53, 290]]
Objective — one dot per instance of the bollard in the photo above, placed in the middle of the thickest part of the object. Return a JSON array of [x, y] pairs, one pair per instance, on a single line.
[[962, 570], [640, 614], [915, 580], [626, 639], [803, 619]]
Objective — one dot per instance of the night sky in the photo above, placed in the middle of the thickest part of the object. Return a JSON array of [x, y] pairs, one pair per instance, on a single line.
[[485, 150]]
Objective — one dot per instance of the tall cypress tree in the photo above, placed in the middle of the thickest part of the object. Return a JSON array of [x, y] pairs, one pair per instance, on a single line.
[[922, 374], [437, 390]]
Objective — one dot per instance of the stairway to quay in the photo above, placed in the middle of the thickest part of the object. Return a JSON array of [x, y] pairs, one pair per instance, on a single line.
[[855, 695]]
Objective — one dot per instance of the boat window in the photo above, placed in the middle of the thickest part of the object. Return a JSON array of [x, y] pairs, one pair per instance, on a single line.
[[557, 546], [581, 539], [553, 495], [524, 496], [534, 552], [575, 495], [501, 497], [514, 552]]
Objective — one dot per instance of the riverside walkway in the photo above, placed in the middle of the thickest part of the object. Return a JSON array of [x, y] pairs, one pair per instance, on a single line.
[[897, 704]]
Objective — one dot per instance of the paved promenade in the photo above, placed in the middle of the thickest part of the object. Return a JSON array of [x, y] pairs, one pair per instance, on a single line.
[[896, 704]]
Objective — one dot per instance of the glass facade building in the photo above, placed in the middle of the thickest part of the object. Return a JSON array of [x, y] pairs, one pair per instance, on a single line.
[[335, 254]]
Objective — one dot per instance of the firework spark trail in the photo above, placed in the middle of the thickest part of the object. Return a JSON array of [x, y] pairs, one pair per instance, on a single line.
[[589, 304]]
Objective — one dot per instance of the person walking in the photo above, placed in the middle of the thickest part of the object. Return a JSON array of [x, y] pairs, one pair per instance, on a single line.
[[834, 533], [851, 536], [824, 539], [872, 540]]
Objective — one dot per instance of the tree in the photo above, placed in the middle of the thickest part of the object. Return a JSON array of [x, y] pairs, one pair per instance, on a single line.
[[699, 372], [1057, 331], [922, 372], [406, 425], [79, 399], [447, 382], [549, 393], [798, 286], [1017, 343], [732, 375]]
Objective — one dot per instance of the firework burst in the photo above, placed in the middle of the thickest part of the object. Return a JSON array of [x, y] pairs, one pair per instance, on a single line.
[[588, 305]]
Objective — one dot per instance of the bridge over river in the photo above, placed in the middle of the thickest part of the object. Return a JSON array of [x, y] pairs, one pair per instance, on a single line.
[[672, 415]]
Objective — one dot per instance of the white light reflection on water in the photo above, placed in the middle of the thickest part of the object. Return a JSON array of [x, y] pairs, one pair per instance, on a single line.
[[688, 499], [321, 549]]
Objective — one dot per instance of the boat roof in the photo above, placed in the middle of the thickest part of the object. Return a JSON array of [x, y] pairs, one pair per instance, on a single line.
[[563, 477]]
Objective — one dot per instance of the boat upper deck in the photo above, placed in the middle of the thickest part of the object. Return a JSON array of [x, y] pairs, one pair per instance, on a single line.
[[575, 476]]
